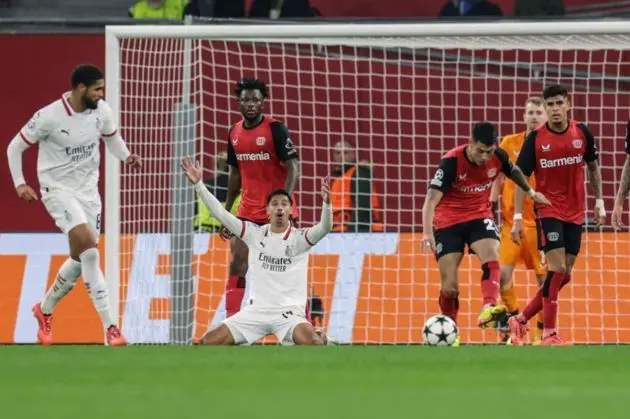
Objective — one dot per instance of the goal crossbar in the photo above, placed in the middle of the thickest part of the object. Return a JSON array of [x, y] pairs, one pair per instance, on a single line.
[[373, 30]]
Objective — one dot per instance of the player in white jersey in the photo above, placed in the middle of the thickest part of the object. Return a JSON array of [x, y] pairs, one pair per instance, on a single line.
[[278, 263], [67, 133]]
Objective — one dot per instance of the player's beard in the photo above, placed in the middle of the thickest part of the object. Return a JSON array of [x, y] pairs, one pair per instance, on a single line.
[[89, 103]]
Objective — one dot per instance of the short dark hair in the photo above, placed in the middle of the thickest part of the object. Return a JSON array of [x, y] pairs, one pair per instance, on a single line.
[[555, 90], [86, 74], [251, 83], [278, 192], [484, 133]]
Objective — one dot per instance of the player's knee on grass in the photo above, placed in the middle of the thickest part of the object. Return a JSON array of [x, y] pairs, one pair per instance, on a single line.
[[220, 335], [305, 334], [81, 239], [238, 263]]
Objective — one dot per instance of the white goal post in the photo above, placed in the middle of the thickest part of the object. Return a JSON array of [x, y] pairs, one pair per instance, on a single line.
[[404, 93]]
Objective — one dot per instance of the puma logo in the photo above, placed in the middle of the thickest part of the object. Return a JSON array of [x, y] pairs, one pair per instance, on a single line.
[[65, 131]]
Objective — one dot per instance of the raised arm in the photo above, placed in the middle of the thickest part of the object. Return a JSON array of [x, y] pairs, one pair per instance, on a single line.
[[193, 172], [314, 234]]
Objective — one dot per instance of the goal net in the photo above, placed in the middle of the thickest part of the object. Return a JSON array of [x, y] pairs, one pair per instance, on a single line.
[[404, 94]]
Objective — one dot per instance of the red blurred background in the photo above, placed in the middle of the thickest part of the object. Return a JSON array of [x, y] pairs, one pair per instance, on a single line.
[[406, 114]]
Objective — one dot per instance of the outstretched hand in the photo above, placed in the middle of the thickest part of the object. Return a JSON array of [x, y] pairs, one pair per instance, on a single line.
[[192, 170], [326, 189]]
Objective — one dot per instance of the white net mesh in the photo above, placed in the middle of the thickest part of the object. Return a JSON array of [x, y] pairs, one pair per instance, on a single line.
[[404, 104]]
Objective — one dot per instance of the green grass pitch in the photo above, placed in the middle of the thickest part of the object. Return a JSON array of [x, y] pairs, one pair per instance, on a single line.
[[94, 382]]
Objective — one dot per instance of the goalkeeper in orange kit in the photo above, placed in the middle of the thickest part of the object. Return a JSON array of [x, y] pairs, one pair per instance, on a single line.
[[528, 251]]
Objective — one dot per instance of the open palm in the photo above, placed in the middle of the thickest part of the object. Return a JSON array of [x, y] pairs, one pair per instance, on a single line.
[[192, 170]]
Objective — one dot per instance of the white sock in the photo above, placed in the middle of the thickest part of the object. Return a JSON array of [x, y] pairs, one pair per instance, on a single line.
[[95, 284], [64, 282]]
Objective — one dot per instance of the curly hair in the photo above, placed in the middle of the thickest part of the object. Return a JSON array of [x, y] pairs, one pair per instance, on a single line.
[[251, 83]]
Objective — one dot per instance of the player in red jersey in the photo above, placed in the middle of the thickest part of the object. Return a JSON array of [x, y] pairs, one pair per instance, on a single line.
[[624, 186], [458, 205], [262, 159], [556, 153]]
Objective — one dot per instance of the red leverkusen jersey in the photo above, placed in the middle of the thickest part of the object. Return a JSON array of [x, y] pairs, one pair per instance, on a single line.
[[557, 161], [466, 186], [259, 153]]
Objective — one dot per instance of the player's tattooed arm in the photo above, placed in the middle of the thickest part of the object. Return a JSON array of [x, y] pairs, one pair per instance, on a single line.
[[622, 193], [519, 178], [624, 187], [192, 170], [293, 173], [595, 178]]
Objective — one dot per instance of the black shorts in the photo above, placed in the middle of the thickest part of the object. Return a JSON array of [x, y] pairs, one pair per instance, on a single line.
[[556, 234], [455, 238]]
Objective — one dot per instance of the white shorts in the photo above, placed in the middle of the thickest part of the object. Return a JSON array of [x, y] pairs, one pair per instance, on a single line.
[[70, 210], [250, 324]]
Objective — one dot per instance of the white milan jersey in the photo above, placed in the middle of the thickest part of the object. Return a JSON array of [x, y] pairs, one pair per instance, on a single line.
[[278, 266], [69, 156]]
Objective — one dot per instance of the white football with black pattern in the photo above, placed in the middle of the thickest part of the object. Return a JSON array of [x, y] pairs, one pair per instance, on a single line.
[[440, 330]]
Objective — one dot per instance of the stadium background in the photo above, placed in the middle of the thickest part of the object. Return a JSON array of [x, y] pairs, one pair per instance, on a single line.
[[39, 72]]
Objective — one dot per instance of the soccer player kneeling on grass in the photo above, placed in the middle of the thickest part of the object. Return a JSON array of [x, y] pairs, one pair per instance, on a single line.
[[458, 205], [278, 258]]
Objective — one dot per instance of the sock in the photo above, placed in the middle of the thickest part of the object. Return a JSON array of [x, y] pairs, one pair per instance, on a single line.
[[449, 305], [64, 282], [566, 280], [234, 292], [508, 297], [96, 286], [535, 305], [551, 288], [490, 282]]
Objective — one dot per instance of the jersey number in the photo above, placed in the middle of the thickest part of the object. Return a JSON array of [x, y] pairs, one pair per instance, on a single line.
[[490, 225], [287, 314]]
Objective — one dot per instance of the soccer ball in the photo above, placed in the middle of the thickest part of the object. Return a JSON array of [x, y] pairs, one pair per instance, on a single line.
[[439, 330]]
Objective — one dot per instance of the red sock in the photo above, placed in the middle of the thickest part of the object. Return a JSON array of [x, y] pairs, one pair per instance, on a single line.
[[533, 307], [234, 292], [490, 282], [551, 288], [449, 305], [567, 279]]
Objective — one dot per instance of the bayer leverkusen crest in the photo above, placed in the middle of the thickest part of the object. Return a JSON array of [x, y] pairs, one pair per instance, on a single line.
[[261, 140], [492, 172], [577, 143]]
